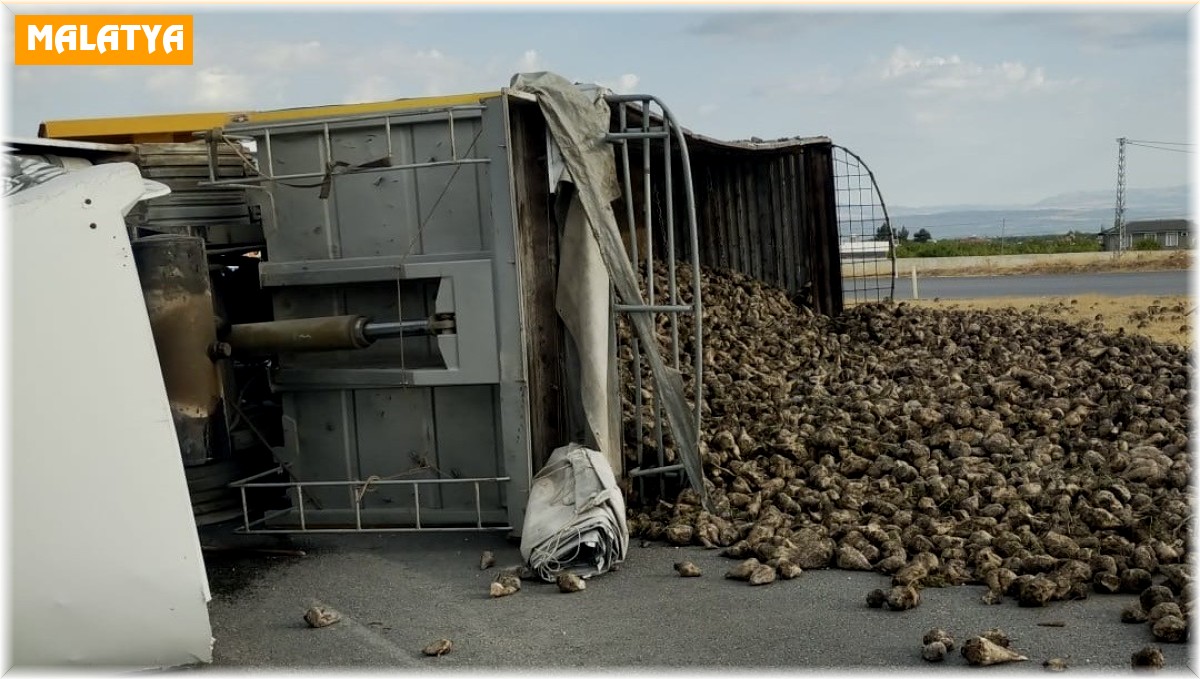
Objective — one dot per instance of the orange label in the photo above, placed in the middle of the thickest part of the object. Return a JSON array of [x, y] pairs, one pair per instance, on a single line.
[[103, 40]]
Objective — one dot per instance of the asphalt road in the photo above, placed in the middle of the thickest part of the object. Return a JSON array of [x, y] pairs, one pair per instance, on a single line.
[[972, 287], [400, 592]]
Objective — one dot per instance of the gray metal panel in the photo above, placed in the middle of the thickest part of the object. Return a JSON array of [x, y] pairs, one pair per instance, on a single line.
[[363, 269], [357, 252], [467, 443], [409, 301], [395, 439], [375, 300], [449, 197], [396, 212], [320, 442], [470, 356], [381, 208], [300, 221]]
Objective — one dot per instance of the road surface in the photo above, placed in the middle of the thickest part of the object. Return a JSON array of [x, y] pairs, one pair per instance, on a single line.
[[972, 287], [398, 593]]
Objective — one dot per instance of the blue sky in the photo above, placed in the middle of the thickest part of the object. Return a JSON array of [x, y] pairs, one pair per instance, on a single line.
[[948, 107]]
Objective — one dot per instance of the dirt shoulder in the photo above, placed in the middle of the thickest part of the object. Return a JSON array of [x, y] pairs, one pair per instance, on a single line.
[[1047, 264]]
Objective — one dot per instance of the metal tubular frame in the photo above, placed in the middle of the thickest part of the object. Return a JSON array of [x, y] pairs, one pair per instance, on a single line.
[[645, 133], [357, 491]]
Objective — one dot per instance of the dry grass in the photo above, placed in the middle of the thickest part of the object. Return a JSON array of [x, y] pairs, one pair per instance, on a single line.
[[1165, 318], [1153, 261]]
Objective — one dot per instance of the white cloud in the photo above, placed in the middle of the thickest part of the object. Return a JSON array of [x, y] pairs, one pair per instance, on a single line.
[[223, 87], [107, 74], [754, 25], [1119, 30], [938, 76], [903, 61], [813, 83], [413, 72], [931, 117], [284, 56], [530, 62], [370, 88], [626, 84], [209, 86], [167, 81], [707, 109], [280, 74]]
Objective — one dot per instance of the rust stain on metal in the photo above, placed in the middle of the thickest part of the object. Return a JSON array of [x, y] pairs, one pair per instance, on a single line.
[[174, 276]]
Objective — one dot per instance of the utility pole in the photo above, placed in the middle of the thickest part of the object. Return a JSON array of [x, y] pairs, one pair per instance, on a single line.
[[1002, 220], [1119, 217]]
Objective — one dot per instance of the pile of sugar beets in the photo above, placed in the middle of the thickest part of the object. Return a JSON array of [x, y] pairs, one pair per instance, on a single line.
[[1043, 459]]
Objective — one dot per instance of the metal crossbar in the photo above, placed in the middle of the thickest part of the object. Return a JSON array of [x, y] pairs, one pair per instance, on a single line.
[[358, 489], [331, 165]]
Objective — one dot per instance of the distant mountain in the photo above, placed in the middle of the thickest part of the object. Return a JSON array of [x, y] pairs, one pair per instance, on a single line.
[[1085, 211], [1175, 197]]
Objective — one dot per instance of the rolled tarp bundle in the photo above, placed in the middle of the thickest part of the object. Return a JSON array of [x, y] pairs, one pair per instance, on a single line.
[[575, 518]]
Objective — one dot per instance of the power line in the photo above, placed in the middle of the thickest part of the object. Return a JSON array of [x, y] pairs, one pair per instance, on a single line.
[[1158, 148], [1165, 143]]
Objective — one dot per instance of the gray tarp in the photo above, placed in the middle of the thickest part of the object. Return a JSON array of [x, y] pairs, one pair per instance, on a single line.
[[584, 303], [576, 516]]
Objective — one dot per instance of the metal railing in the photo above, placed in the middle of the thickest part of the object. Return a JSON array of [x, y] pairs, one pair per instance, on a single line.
[[666, 133], [383, 164], [358, 489]]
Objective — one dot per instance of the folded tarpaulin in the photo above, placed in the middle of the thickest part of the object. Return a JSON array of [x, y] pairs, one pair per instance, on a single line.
[[575, 517]]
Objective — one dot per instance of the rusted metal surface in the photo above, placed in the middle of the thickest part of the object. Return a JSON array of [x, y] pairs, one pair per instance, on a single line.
[[174, 276], [819, 223], [330, 333], [537, 256]]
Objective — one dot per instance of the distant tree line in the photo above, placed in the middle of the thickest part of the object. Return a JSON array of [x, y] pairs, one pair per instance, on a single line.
[[922, 245], [885, 231]]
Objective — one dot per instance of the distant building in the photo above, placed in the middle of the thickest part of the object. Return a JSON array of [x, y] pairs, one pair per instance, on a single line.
[[1171, 234], [869, 250]]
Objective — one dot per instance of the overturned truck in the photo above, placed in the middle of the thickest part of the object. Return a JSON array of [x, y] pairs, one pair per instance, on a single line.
[[379, 317]]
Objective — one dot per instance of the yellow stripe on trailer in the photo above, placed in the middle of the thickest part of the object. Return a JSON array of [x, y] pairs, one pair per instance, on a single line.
[[182, 127]]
